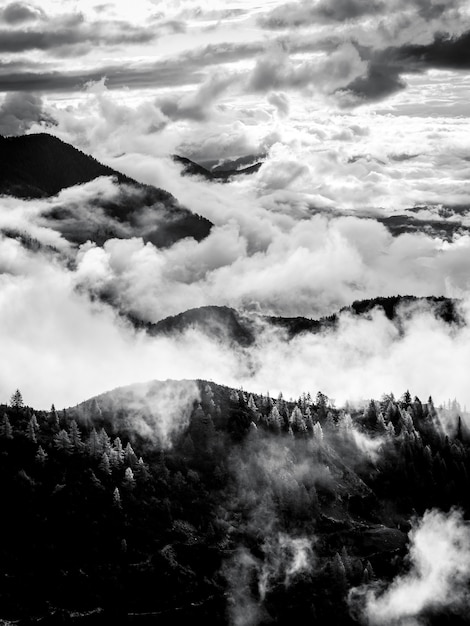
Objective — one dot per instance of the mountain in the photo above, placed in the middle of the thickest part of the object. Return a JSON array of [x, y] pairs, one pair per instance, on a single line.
[[40, 166], [181, 501], [190, 168], [242, 328]]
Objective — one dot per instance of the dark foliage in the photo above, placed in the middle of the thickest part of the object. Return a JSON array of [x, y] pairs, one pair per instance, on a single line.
[[102, 524]]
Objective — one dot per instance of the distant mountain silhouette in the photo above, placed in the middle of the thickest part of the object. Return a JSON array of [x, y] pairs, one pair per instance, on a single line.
[[40, 166], [216, 165], [190, 168], [227, 324]]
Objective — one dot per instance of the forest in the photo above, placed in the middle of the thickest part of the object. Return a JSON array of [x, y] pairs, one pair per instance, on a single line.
[[251, 510]]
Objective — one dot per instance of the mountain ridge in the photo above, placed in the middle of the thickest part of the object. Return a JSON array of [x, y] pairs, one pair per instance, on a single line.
[[223, 322], [40, 166]]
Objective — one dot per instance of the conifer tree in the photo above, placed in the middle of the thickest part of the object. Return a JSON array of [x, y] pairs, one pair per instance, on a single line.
[[41, 456], [105, 465], [62, 441], [129, 480], [16, 400], [54, 418], [94, 446], [117, 498], [31, 431], [75, 436], [6, 431]]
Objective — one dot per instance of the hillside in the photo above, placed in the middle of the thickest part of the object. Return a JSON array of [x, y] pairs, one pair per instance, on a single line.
[[40, 166], [179, 501]]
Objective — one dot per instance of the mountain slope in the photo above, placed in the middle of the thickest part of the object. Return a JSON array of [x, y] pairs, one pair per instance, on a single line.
[[40, 166], [242, 328], [174, 502]]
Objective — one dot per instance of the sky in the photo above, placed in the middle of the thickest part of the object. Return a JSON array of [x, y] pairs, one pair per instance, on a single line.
[[358, 111]]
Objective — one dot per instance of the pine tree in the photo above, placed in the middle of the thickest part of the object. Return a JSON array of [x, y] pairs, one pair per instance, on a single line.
[[62, 441], [41, 456], [297, 421], [16, 400], [318, 432], [94, 445], [31, 431], [275, 420], [54, 418], [105, 441], [105, 465], [117, 498], [129, 455], [6, 431], [117, 458], [129, 480], [75, 436]]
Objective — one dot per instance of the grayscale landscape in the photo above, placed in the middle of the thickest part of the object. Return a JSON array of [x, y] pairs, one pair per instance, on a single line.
[[235, 312]]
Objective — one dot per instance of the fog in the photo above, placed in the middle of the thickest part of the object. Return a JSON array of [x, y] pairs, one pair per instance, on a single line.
[[437, 578], [64, 345]]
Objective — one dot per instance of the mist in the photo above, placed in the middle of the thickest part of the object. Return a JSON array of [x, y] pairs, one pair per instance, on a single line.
[[437, 578], [64, 344]]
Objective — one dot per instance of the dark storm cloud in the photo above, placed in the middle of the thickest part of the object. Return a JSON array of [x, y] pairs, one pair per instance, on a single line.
[[304, 13], [444, 52], [72, 33], [296, 14], [154, 75], [184, 69], [19, 111], [379, 82], [384, 75]]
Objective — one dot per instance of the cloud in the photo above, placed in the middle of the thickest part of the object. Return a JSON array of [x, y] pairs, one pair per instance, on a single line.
[[380, 81], [19, 111], [444, 52], [383, 77], [186, 68], [198, 105], [309, 268], [281, 102], [277, 70], [437, 581], [71, 33], [304, 13], [19, 12]]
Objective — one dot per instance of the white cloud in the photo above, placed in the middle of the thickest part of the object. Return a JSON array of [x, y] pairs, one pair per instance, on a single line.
[[437, 580]]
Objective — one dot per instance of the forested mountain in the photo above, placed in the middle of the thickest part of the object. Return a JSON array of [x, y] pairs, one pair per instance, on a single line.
[[40, 166], [182, 501], [191, 168], [243, 328]]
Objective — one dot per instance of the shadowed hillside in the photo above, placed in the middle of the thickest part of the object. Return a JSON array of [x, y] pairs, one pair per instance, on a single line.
[[35, 166], [39, 166]]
